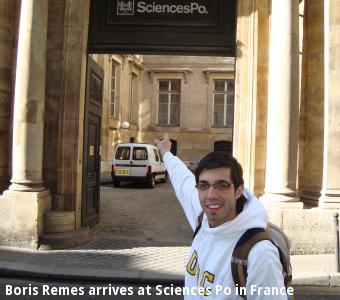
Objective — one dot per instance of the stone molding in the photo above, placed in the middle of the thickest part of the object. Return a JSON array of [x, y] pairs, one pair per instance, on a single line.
[[212, 71], [182, 71]]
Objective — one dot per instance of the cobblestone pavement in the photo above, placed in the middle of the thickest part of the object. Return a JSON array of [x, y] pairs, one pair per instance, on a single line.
[[140, 217]]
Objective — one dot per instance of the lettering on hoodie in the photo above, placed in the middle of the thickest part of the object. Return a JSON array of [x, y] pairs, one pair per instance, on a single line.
[[194, 270]]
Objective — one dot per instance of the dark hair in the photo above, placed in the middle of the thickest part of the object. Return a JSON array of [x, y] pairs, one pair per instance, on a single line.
[[219, 159]]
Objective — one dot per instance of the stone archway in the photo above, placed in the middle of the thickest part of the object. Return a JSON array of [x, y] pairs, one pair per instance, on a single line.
[[70, 92], [66, 61]]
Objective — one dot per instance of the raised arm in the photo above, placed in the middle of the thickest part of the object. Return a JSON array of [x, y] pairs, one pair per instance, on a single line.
[[183, 181]]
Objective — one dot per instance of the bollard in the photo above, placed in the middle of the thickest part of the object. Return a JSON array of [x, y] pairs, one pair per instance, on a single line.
[[336, 241]]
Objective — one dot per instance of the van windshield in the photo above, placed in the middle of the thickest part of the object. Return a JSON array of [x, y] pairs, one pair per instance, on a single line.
[[123, 153], [139, 153]]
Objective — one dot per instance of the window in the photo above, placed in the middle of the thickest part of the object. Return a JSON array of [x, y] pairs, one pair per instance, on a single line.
[[156, 154], [113, 90], [139, 153], [160, 156], [96, 88], [123, 153], [134, 99], [169, 95], [223, 111]]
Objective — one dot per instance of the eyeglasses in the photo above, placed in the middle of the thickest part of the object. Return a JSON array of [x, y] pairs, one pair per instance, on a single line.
[[220, 186]]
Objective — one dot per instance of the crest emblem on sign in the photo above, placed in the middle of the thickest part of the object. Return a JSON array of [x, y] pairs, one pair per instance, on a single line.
[[125, 7]]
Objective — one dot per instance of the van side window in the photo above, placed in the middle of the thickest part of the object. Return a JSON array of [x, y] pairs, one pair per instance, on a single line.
[[139, 153], [156, 154], [123, 153], [160, 156]]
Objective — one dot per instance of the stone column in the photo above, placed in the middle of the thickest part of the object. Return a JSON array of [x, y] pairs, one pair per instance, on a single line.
[[27, 199], [330, 193], [29, 101], [283, 105], [245, 82]]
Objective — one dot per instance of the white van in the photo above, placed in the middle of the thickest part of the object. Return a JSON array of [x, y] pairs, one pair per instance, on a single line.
[[137, 162]]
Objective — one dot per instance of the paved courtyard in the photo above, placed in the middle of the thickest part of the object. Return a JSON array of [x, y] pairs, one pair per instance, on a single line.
[[143, 216]]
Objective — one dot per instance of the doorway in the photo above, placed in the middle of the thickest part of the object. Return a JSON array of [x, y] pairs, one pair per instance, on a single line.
[[226, 146], [92, 143], [127, 120]]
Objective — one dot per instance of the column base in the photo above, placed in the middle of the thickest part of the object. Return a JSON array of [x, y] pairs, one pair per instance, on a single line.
[[326, 200], [310, 197], [289, 201], [24, 213], [59, 221], [330, 198], [53, 241], [27, 186], [329, 205]]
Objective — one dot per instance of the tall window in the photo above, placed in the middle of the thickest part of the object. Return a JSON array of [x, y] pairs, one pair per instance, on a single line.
[[113, 90], [223, 112], [169, 96], [134, 105]]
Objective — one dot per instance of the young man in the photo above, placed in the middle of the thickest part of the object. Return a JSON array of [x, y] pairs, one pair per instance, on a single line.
[[229, 210]]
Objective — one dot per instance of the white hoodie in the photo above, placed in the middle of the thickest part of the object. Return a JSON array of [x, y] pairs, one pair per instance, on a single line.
[[209, 265]]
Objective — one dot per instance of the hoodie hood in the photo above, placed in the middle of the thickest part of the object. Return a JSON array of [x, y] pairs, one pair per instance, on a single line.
[[253, 215]]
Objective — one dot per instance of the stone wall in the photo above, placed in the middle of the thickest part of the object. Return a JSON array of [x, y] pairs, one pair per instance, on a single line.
[[195, 135], [310, 231]]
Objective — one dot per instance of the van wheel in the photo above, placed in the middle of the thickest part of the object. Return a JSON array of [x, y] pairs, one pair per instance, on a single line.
[[165, 179], [152, 181], [116, 183]]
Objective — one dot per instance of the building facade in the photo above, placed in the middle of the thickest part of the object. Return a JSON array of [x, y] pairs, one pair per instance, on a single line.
[[190, 97], [286, 132]]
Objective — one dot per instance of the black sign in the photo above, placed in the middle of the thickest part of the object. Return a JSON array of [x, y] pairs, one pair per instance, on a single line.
[[197, 27]]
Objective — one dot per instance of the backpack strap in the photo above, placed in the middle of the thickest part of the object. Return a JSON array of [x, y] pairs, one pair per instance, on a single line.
[[198, 224], [284, 259], [286, 268], [239, 259]]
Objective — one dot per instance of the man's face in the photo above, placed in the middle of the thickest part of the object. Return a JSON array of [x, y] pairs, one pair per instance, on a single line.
[[219, 202]]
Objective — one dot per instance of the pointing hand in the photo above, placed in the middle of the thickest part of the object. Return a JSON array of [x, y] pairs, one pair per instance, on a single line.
[[163, 145]]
